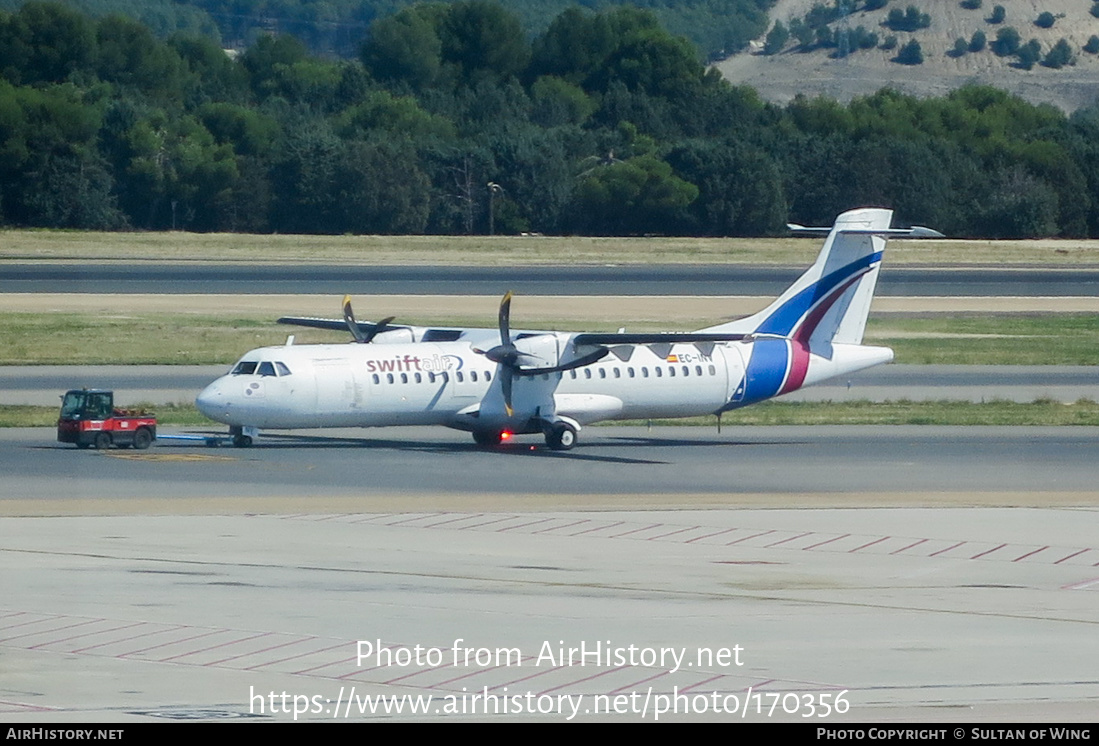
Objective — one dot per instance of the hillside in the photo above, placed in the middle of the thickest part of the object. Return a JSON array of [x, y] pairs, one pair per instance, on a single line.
[[779, 77]]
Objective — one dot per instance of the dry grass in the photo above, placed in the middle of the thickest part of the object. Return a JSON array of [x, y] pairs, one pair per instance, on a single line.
[[67, 246]]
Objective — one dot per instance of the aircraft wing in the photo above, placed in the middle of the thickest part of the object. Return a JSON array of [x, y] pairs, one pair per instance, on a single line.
[[642, 338]]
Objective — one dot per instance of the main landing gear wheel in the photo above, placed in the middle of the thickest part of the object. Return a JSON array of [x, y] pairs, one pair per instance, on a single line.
[[561, 437], [487, 439], [242, 441]]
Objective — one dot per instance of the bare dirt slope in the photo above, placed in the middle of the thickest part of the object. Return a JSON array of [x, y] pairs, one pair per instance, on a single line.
[[780, 77]]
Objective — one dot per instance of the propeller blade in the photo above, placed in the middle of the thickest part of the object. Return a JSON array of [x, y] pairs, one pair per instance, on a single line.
[[580, 362], [378, 327], [505, 385], [356, 330], [349, 317], [505, 319]]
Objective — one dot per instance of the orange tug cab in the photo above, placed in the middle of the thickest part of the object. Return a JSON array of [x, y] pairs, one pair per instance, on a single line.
[[89, 418]]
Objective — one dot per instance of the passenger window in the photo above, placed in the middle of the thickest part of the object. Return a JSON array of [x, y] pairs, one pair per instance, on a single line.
[[698, 370], [644, 372], [617, 373], [686, 370], [587, 373], [431, 378], [659, 372], [488, 376], [389, 378], [404, 378], [572, 374], [376, 379], [419, 378], [713, 371], [461, 378], [602, 372], [473, 376], [671, 371], [629, 371]]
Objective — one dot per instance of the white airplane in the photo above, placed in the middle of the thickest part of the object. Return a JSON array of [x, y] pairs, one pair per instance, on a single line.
[[495, 383]]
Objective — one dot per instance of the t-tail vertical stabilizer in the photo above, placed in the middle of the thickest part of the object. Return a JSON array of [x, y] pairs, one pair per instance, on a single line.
[[814, 330]]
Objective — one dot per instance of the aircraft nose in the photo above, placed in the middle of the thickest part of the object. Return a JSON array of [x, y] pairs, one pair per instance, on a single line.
[[213, 402]]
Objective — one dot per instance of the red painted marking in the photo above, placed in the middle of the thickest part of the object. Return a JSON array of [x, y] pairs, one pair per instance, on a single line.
[[264, 650], [43, 618], [942, 551], [55, 629], [414, 517], [870, 544], [521, 679], [783, 541], [761, 533], [462, 517], [990, 551], [172, 642], [1080, 585], [487, 523], [558, 528], [827, 541], [637, 530], [914, 544], [1075, 554], [292, 657], [86, 634], [598, 528], [523, 525], [333, 663], [672, 533], [702, 683], [593, 677], [1029, 554], [634, 684], [707, 536], [130, 638], [215, 647]]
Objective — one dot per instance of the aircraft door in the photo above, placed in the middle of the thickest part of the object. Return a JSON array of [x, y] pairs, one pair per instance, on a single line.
[[732, 358]]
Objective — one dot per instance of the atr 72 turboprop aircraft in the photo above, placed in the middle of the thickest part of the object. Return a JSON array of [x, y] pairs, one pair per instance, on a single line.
[[495, 383]]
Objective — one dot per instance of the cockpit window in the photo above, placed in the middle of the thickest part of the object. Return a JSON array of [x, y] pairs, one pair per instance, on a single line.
[[266, 369], [282, 369], [245, 368]]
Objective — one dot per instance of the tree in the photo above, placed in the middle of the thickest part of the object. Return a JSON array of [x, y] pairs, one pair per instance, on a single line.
[[977, 41], [640, 195], [1092, 47], [971, 4], [1028, 54], [998, 14], [961, 46], [1059, 56], [1007, 42], [910, 54], [1045, 20], [911, 19], [776, 38]]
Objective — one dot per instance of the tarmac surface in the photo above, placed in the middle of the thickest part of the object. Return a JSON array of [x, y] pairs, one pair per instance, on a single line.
[[891, 575], [655, 279]]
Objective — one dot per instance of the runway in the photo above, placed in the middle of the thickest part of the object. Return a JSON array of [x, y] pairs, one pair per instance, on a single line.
[[656, 279], [911, 574]]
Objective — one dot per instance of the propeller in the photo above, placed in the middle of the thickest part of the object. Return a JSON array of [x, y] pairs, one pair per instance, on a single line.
[[356, 330], [508, 356]]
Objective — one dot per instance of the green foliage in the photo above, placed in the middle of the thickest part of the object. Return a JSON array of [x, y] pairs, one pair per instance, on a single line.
[[1094, 9], [1045, 20], [971, 4], [978, 41], [1028, 54], [1007, 42], [998, 14], [889, 43], [1059, 56], [961, 46], [776, 38], [635, 196], [910, 19], [1092, 47], [910, 54], [874, 5]]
